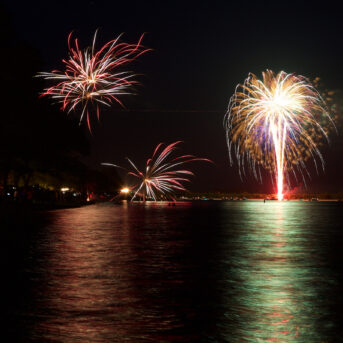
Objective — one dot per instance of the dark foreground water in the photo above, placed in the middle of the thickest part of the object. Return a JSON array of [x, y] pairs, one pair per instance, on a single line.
[[198, 272]]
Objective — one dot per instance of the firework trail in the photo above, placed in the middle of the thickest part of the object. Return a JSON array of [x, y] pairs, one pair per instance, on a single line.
[[274, 123], [93, 77], [162, 175]]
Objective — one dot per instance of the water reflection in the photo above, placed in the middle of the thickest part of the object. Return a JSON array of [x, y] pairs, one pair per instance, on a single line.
[[109, 274], [87, 286], [201, 272], [276, 280]]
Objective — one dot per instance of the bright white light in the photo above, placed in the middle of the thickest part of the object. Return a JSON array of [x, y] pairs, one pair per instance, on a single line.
[[124, 190], [64, 189]]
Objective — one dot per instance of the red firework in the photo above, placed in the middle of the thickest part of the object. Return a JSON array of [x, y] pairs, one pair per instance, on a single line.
[[162, 174], [93, 77]]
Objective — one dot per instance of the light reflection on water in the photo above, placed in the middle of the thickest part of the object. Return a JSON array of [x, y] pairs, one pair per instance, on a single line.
[[276, 280], [201, 272]]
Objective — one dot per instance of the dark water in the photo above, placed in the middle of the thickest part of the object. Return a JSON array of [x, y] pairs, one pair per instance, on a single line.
[[197, 272]]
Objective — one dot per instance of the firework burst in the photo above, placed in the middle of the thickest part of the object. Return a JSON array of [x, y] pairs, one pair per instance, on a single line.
[[162, 174], [93, 78], [274, 123]]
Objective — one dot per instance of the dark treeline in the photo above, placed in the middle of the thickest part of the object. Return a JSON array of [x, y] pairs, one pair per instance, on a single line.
[[39, 145]]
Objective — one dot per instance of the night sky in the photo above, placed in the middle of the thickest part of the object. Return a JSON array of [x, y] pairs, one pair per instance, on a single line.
[[201, 50]]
